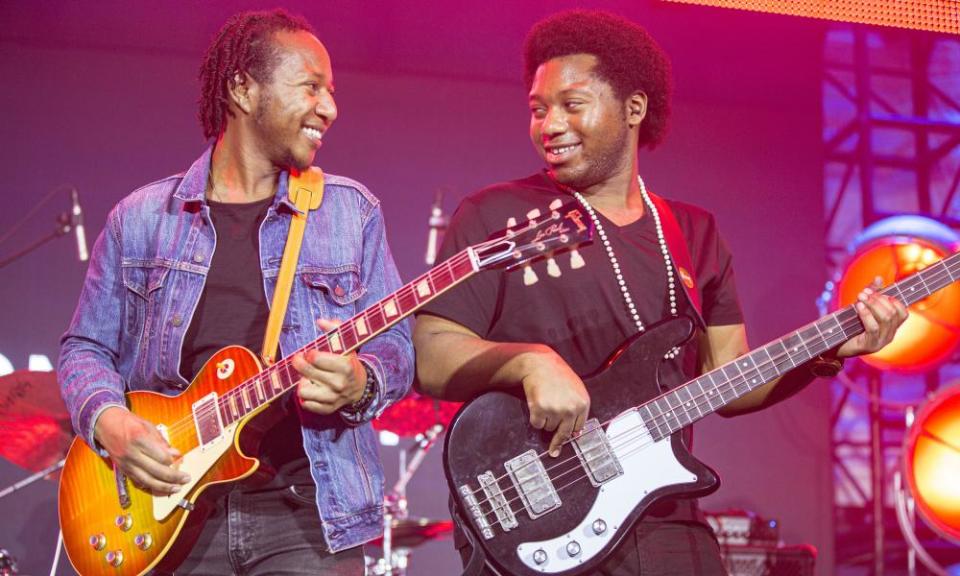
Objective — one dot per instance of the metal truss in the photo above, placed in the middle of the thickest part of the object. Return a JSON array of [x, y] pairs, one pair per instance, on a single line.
[[891, 136]]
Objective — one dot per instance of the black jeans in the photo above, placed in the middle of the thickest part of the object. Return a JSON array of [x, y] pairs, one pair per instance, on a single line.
[[267, 532]]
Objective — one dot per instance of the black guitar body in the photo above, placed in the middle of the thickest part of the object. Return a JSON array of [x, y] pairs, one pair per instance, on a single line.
[[494, 428]]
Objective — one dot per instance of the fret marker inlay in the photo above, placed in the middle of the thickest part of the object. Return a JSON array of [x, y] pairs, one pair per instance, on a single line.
[[334, 340], [361, 326], [423, 289], [390, 308]]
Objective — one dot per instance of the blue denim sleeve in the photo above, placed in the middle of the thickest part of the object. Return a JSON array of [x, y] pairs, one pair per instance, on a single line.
[[390, 354], [87, 371]]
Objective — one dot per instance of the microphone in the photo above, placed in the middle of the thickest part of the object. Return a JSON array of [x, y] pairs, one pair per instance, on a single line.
[[77, 222], [438, 224]]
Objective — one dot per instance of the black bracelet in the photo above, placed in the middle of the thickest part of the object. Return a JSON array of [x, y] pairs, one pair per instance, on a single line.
[[369, 393]]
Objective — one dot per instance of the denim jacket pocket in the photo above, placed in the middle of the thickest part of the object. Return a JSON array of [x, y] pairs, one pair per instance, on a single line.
[[142, 281], [333, 292]]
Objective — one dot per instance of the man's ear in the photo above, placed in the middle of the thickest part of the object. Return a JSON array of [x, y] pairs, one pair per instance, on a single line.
[[241, 89], [636, 109]]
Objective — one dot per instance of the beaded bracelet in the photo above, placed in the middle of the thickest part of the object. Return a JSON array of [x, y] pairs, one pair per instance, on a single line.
[[369, 393]]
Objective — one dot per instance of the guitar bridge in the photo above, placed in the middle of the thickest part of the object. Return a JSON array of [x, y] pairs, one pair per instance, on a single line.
[[479, 518], [533, 484], [206, 419], [501, 508], [596, 456]]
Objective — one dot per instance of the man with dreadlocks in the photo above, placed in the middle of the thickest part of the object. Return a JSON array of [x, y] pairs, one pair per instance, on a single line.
[[599, 90], [188, 264]]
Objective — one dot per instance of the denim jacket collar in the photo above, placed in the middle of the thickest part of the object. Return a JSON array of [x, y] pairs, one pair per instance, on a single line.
[[193, 187]]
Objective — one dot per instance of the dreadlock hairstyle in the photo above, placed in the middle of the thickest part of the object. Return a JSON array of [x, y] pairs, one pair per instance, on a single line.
[[628, 59], [244, 45]]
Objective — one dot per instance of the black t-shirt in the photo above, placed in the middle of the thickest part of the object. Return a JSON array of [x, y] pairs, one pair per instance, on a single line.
[[233, 309], [581, 314]]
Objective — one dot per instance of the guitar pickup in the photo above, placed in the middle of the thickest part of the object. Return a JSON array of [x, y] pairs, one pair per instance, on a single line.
[[497, 501], [534, 485], [206, 419], [596, 456]]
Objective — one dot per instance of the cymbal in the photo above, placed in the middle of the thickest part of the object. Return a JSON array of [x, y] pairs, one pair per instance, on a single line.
[[35, 429], [414, 414], [412, 532]]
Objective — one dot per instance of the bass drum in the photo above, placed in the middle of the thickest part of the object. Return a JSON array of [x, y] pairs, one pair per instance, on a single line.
[[932, 462]]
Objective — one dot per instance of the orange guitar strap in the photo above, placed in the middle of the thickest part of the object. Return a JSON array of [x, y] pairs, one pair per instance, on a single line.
[[680, 254], [305, 190]]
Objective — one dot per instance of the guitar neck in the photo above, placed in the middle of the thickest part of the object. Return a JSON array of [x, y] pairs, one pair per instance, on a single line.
[[350, 335], [686, 404]]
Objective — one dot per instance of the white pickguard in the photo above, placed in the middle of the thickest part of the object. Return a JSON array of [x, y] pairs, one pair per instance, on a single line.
[[196, 463], [644, 470]]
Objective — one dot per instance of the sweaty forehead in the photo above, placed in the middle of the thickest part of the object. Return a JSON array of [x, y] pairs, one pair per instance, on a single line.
[[300, 53], [566, 73]]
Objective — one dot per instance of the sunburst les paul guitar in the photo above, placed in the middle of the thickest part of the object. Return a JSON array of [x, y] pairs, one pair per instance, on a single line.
[[111, 527], [533, 514]]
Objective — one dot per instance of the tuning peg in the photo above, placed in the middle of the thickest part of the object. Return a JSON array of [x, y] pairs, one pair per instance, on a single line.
[[576, 260], [532, 216], [552, 269], [529, 276], [553, 208]]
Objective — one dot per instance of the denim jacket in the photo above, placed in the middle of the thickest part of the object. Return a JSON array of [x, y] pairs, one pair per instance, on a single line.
[[147, 273]]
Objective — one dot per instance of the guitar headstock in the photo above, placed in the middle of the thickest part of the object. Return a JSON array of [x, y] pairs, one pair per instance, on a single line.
[[563, 228]]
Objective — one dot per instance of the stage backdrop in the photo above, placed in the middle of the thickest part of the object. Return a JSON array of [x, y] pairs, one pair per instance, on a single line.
[[102, 96]]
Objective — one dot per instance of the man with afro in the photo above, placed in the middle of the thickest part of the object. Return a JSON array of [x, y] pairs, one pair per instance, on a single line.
[[599, 91]]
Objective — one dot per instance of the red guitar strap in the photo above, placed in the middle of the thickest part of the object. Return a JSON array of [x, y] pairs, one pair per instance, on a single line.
[[680, 254]]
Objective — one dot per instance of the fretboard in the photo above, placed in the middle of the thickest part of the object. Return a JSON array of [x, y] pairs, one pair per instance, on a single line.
[[686, 404], [348, 336]]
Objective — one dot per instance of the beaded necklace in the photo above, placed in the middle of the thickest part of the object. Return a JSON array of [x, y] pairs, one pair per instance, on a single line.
[[621, 282]]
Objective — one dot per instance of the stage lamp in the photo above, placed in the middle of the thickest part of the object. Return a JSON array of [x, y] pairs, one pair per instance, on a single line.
[[893, 249], [932, 462]]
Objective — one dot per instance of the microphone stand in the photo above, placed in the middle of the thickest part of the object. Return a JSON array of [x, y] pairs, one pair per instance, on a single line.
[[66, 223], [394, 561]]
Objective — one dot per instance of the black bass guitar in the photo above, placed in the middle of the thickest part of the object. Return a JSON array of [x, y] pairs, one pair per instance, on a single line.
[[534, 514]]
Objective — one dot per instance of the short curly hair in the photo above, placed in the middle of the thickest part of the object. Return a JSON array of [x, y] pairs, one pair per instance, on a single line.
[[629, 59], [244, 45]]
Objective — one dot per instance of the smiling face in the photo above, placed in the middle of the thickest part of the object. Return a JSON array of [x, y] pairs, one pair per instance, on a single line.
[[295, 107], [577, 123]]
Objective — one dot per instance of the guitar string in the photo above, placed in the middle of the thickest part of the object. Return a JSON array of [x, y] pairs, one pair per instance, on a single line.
[[322, 342], [732, 383], [187, 423], [286, 363], [852, 322], [618, 442]]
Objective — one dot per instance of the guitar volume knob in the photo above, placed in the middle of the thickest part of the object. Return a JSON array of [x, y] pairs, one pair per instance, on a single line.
[[540, 556], [573, 548], [124, 522], [114, 558], [143, 541], [98, 541], [599, 526]]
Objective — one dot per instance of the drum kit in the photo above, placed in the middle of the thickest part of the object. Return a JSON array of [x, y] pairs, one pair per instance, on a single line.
[[35, 433]]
